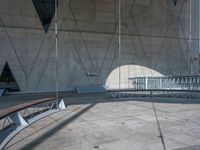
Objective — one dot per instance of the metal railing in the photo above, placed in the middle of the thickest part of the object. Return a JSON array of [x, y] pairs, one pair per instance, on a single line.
[[15, 119], [188, 83], [187, 87]]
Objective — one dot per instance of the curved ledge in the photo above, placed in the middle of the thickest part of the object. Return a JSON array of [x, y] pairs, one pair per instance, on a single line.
[[15, 119]]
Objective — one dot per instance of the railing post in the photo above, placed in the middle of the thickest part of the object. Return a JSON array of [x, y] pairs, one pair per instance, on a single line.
[[160, 83], [146, 83], [61, 105]]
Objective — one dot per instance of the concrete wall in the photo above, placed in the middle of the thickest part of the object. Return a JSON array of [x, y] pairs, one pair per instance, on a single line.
[[154, 42]]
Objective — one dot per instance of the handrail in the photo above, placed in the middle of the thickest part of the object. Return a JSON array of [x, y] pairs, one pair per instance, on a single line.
[[191, 83], [8, 111], [129, 93], [164, 77], [150, 90], [15, 119]]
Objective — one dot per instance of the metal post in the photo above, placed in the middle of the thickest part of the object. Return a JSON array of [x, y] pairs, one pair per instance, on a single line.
[[56, 35], [61, 105], [161, 83], [146, 83], [119, 48], [18, 119], [190, 37]]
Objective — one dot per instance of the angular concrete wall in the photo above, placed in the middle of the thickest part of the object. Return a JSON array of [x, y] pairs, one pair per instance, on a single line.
[[154, 42]]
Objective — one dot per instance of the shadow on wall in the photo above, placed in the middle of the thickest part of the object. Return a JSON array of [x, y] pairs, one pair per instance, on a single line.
[[119, 77]]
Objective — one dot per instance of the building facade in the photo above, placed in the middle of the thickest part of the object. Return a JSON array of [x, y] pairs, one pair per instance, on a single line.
[[155, 41]]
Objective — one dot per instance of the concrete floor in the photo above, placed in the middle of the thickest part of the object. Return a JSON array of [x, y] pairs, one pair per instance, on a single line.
[[103, 124]]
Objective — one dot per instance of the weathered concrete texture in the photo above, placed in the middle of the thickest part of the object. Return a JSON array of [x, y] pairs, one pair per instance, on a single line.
[[154, 37], [125, 125]]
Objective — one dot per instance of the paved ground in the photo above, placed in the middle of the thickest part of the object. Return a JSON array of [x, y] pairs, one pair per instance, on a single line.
[[97, 122]]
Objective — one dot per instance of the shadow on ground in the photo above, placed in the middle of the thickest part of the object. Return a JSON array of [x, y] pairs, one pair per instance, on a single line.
[[52, 131]]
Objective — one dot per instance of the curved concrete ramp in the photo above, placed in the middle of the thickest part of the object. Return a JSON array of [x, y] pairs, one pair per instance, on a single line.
[[125, 125]]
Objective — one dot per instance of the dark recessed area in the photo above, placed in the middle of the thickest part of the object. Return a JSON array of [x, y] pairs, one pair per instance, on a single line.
[[175, 1], [45, 10], [7, 80]]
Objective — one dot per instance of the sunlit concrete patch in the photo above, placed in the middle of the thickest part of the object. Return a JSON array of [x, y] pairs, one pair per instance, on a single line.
[[120, 75]]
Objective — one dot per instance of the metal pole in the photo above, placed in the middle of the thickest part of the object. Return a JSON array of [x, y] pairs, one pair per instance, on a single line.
[[119, 48], [199, 35], [190, 41], [190, 37], [56, 42]]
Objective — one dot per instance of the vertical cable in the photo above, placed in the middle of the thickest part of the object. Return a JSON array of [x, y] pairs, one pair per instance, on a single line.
[[56, 44], [190, 37], [199, 31], [190, 42], [119, 58]]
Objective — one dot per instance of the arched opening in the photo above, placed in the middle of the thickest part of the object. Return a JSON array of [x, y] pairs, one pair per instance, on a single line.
[[129, 71], [7, 80]]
